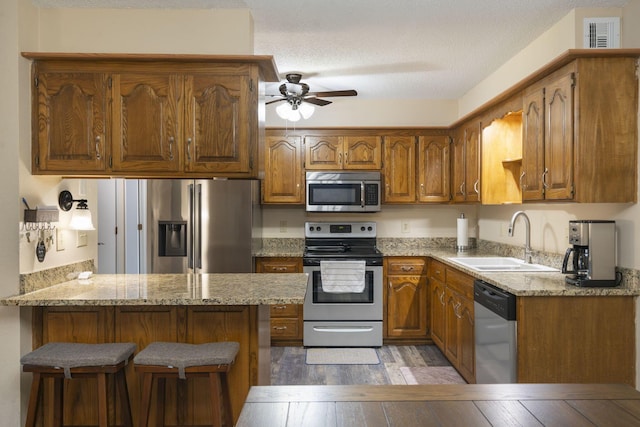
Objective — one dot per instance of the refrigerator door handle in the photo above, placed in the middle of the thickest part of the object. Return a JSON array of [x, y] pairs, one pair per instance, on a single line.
[[190, 257], [197, 212]]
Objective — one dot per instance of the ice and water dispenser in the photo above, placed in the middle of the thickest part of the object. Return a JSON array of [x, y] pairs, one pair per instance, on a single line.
[[172, 238]]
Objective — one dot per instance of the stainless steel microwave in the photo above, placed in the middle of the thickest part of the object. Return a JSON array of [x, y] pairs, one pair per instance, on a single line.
[[343, 191]]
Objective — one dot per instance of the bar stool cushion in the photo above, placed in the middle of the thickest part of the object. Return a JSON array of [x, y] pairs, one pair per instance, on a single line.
[[183, 355], [72, 355]]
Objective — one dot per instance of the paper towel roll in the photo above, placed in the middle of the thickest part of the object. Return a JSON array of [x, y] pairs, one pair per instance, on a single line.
[[463, 234]]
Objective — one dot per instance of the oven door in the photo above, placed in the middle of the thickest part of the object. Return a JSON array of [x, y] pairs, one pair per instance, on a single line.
[[366, 305]]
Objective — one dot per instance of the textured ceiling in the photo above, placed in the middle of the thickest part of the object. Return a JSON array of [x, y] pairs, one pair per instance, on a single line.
[[430, 49]]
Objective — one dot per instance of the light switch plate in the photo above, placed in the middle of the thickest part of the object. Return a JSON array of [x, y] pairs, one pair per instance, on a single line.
[[59, 240], [81, 239]]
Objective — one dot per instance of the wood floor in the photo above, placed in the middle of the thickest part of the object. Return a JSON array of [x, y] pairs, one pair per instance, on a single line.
[[288, 366]]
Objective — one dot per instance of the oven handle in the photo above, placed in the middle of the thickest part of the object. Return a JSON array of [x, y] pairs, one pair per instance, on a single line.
[[362, 194], [349, 329]]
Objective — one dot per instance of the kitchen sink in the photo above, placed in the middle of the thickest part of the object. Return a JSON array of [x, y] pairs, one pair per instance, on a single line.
[[499, 264]]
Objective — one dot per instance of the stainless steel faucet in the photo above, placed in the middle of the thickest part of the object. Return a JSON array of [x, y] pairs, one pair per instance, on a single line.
[[527, 223]]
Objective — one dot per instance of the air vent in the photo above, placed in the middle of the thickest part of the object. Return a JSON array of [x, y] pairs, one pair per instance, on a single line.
[[601, 33]]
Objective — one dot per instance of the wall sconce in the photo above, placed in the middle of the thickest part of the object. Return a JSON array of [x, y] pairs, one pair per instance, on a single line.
[[81, 216]]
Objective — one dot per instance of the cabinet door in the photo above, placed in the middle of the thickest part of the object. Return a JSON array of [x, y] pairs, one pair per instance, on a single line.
[[217, 122], [458, 166], [452, 337], [437, 276], [284, 177], [466, 361], [323, 152], [558, 139], [400, 169], [472, 162], [362, 152], [407, 306], [532, 144], [147, 130], [433, 169], [71, 118]]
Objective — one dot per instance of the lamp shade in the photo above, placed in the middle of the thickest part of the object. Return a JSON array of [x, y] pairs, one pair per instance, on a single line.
[[81, 220]]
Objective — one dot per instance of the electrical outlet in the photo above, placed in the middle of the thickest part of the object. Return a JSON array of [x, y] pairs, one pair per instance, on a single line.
[[283, 226], [406, 228], [81, 239], [59, 240]]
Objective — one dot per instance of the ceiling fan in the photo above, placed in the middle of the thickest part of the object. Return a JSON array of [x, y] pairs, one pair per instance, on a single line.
[[297, 95]]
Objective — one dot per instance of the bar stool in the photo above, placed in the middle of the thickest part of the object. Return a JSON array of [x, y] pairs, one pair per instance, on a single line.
[[164, 360], [60, 361]]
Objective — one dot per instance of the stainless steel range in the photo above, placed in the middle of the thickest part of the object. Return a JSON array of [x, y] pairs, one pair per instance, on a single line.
[[343, 304]]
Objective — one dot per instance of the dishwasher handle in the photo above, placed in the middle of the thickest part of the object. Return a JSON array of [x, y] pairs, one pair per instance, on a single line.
[[495, 299]]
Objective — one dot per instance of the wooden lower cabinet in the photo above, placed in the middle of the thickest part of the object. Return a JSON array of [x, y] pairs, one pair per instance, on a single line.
[[187, 402], [588, 339], [452, 316], [406, 303], [286, 319]]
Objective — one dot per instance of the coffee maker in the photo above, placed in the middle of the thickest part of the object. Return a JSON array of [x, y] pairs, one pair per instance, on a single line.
[[593, 249]]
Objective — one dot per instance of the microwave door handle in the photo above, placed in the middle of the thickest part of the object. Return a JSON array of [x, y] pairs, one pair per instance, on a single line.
[[362, 194]]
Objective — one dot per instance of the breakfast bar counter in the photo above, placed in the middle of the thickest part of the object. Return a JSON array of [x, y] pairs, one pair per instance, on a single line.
[[450, 404], [190, 308]]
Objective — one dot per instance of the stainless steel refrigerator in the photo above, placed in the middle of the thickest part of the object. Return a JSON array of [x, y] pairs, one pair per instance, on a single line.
[[202, 226]]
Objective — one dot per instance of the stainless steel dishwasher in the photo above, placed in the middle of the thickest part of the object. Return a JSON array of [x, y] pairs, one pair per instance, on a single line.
[[495, 334]]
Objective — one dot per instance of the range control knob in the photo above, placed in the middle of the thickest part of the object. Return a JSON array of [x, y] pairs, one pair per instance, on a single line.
[[362, 228], [370, 228]]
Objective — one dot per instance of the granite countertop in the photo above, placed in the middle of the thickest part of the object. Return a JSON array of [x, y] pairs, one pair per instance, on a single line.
[[170, 289], [530, 283]]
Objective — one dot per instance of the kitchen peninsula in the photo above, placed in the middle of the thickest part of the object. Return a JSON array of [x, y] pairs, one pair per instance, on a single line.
[[164, 307]]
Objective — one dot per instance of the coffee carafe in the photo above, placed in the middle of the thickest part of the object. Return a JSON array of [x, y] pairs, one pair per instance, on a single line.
[[592, 253]]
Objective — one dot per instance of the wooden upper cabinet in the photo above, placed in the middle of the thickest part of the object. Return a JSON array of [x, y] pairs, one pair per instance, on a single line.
[[343, 152], [434, 169], [323, 152], [465, 169], [532, 144], [558, 138], [69, 121], [399, 169], [284, 177], [147, 122], [147, 115], [217, 123], [362, 152]]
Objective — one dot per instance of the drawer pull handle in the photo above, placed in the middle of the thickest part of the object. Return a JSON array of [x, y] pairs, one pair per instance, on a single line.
[[280, 307], [407, 268], [278, 268], [280, 328]]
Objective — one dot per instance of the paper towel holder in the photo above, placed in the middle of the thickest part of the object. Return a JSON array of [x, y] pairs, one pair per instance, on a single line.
[[462, 244]]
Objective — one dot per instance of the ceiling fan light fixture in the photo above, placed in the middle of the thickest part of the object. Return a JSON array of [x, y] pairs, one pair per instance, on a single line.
[[306, 110], [293, 111]]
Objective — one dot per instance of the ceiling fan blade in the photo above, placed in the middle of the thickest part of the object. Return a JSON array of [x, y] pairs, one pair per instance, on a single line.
[[334, 93], [275, 100], [316, 101]]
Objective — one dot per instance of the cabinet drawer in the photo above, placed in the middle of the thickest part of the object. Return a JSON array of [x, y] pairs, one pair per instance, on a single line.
[[285, 310], [461, 282], [278, 265], [404, 266], [284, 328], [437, 270]]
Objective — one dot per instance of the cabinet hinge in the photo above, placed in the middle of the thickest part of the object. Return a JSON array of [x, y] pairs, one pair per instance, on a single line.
[[36, 81], [573, 80], [251, 85], [451, 138], [109, 82], [116, 230], [37, 160], [638, 68], [573, 189], [110, 161], [139, 227]]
